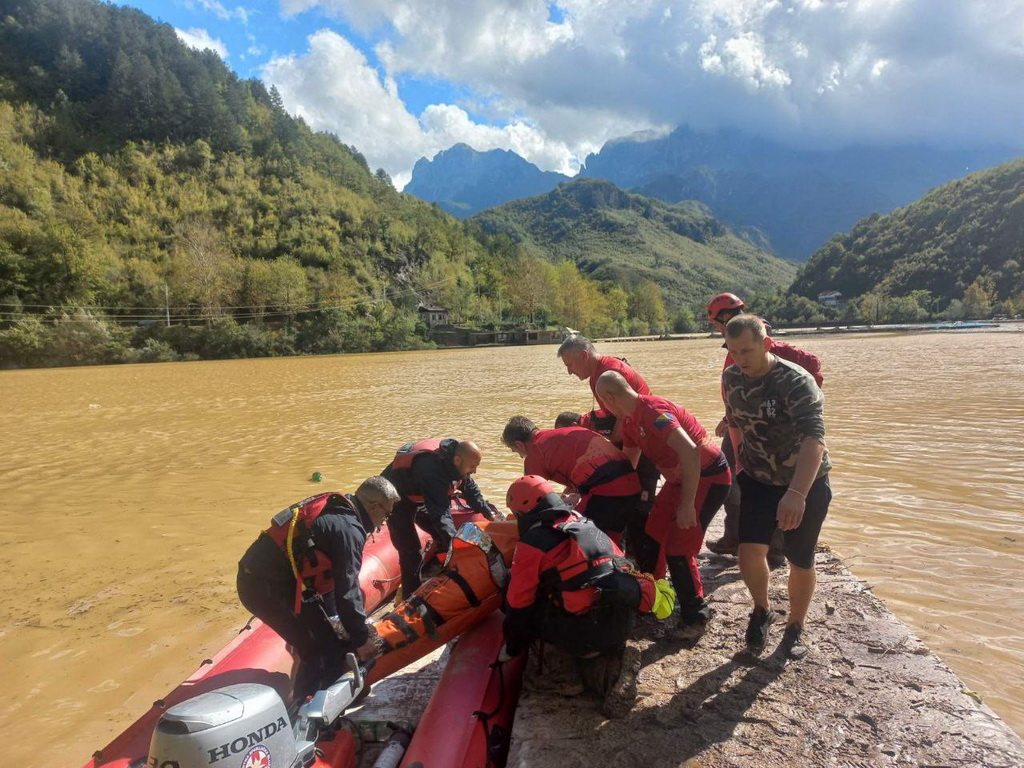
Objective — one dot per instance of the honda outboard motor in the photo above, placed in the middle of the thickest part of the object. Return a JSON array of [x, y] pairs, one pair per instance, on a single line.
[[248, 722]]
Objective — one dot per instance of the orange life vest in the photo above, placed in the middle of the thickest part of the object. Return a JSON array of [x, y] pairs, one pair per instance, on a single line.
[[291, 529], [407, 454], [469, 588]]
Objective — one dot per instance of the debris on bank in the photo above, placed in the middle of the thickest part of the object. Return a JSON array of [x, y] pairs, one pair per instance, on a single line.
[[869, 694]]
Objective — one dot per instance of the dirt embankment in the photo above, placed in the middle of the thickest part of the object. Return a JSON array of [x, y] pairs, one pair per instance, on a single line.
[[869, 694]]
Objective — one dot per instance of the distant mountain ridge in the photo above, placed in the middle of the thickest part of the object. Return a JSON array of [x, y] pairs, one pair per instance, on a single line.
[[798, 198], [788, 200], [626, 238], [464, 181]]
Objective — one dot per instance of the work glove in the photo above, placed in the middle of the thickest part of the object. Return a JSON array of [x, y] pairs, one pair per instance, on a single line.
[[665, 599], [504, 655]]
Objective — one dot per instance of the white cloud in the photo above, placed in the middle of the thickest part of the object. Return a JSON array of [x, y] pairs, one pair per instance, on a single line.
[[334, 88], [219, 10], [819, 70], [200, 39]]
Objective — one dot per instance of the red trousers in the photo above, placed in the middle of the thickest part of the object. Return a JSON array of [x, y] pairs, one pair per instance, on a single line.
[[674, 541]]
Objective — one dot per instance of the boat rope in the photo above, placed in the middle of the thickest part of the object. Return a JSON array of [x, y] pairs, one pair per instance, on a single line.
[[485, 717]]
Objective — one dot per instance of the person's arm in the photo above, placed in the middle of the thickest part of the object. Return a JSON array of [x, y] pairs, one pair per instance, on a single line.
[[521, 598], [791, 507], [472, 493], [432, 477], [689, 476], [736, 437], [343, 544], [806, 406], [735, 433]]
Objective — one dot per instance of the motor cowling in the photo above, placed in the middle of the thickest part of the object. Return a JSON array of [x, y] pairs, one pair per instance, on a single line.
[[247, 723]]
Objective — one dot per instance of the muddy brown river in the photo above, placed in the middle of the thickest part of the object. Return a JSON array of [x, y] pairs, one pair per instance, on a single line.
[[128, 494]]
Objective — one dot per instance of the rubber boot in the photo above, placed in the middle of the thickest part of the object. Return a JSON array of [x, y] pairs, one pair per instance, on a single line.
[[694, 611]]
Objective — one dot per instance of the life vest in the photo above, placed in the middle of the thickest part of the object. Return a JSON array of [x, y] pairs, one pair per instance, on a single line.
[[591, 557], [291, 529], [408, 453], [475, 570]]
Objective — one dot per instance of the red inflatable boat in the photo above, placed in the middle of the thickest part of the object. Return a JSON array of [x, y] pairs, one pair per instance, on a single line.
[[249, 682]]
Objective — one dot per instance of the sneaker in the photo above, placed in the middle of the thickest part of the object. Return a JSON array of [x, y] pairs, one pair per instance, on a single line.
[[692, 623], [723, 546], [622, 695], [691, 630], [793, 645], [757, 629]]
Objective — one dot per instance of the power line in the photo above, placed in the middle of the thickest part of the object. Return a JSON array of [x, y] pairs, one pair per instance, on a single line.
[[182, 314]]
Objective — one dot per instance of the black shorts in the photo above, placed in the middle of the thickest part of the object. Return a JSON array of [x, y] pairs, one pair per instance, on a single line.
[[759, 504]]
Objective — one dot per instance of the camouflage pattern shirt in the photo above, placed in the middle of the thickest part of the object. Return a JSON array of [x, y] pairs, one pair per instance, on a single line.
[[775, 413]]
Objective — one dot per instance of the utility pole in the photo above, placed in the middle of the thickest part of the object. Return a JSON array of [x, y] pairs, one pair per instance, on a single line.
[[167, 305]]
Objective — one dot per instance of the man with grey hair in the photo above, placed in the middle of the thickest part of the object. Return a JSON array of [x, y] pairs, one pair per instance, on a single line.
[[774, 410], [582, 360], [301, 577]]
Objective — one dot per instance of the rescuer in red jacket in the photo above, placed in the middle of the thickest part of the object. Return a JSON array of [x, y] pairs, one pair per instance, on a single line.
[[301, 578], [721, 309], [586, 463], [571, 586], [697, 481]]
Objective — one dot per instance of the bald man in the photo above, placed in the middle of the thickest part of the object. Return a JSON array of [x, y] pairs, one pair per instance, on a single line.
[[697, 480], [427, 474]]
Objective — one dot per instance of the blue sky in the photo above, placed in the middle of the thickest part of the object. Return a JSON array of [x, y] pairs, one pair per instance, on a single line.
[[404, 79]]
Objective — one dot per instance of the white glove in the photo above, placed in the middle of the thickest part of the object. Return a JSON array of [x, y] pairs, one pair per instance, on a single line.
[[503, 655]]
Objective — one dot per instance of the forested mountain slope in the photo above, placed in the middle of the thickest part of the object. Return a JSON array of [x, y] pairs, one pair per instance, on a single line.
[[627, 238], [154, 206], [962, 242]]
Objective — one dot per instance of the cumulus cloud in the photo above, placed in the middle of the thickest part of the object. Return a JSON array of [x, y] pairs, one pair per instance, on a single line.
[[200, 39], [333, 87], [825, 71]]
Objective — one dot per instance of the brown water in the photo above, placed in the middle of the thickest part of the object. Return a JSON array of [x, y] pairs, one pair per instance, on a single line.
[[128, 493]]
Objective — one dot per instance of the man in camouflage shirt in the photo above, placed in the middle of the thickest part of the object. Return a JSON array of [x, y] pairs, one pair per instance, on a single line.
[[774, 411]]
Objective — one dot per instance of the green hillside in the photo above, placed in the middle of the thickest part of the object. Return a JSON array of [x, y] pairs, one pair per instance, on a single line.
[[628, 239], [153, 206], [957, 250]]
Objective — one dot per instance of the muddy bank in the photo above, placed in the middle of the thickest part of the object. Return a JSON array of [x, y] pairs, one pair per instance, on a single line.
[[869, 694]]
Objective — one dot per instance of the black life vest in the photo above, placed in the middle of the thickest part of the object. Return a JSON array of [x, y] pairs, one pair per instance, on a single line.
[[591, 557], [291, 530], [407, 454]]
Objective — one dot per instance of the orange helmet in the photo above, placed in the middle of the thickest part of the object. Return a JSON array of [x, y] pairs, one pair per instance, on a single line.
[[725, 302], [526, 493]]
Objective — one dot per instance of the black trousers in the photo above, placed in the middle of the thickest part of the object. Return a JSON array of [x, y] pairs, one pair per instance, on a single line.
[[602, 629], [321, 652], [402, 523], [639, 546]]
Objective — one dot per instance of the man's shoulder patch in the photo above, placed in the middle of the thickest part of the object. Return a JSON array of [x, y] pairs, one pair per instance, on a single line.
[[664, 419]]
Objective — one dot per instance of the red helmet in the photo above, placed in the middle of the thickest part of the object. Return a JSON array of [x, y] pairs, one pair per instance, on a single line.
[[725, 302], [526, 493]]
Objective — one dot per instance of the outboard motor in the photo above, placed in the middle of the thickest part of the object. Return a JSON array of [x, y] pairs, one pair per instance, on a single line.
[[249, 723], [246, 721]]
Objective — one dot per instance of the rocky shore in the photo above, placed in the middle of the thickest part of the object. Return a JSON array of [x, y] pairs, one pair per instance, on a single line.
[[869, 694]]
